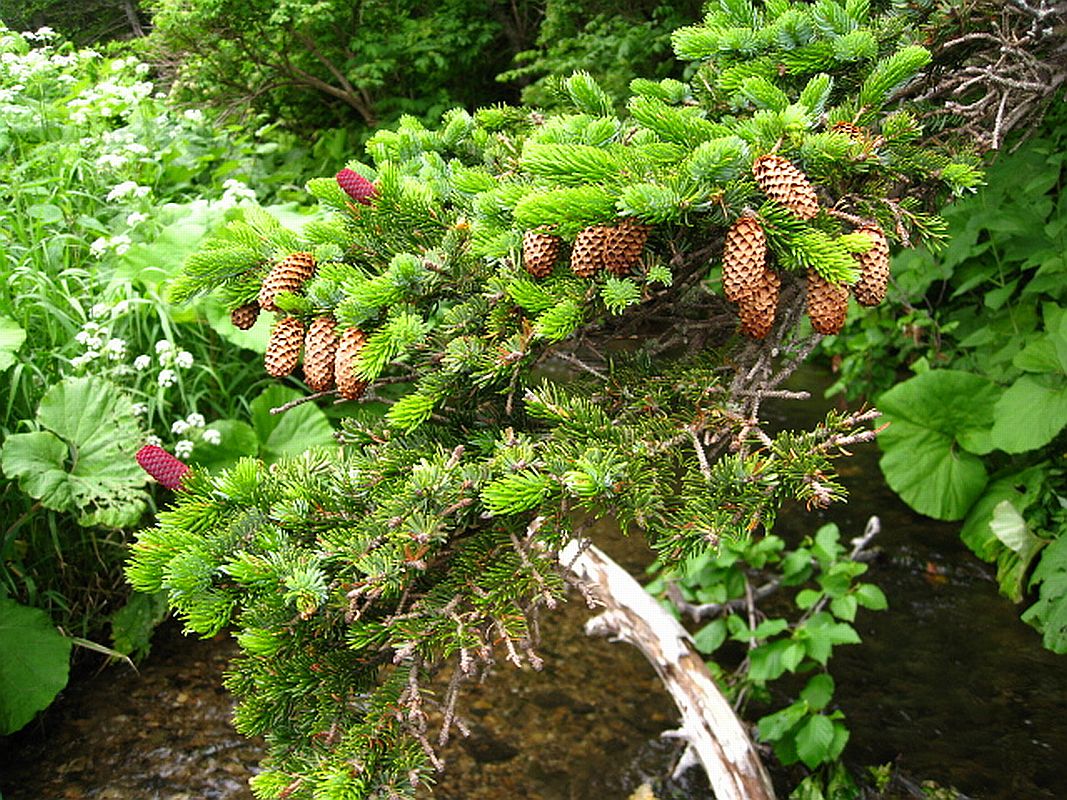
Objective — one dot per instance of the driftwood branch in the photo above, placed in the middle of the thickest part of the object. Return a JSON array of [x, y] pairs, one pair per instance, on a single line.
[[716, 738]]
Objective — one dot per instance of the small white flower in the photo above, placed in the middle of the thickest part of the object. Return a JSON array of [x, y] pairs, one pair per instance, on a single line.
[[121, 307], [142, 362], [121, 190], [142, 191], [113, 160], [184, 359], [116, 349], [99, 310], [82, 337], [80, 361], [212, 436], [167, 377], [179, 427], [135, 218], [97, 248], [137, 148], [121, 243], [193, 115], [140, 409], [93, 343], [164, 345], [196, 420], [183, 448], [154, 440]]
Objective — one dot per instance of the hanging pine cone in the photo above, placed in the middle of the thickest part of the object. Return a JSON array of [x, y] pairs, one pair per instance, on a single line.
[[623, 245], [349, 386], [587, 254], [785, 184], [850, 129], [758, 308], [283, 348], [744, 259], [827, 303], [244, 317], [288, 275], [874, 265], [320, 350], [539, 252]]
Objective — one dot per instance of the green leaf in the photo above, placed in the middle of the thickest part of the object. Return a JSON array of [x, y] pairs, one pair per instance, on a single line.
[[1049, 614], [774, 726], [84, 462], [770, 661], [34, 666], [291, 432], [1030, 413], [255, 338], [1021, 488], [844, 607], [821, 633], [709, 638], [806, 598], [818, 691], [814, 739], [514, 493], [933, 418], [11, 338], [133, 624], [237, 440], [37, 461], [870, 596]]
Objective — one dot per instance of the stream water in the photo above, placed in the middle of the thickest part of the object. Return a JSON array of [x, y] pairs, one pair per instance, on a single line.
[[948, 684]]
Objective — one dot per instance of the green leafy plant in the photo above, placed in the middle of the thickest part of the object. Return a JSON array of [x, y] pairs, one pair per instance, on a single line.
[[728, 588], [976, 435], [35, 663]]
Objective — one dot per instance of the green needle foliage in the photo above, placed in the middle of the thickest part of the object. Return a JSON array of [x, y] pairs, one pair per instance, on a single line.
[[350, 578]]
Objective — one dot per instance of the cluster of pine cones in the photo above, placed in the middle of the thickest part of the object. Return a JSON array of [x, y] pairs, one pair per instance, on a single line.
[[329, 359], [748, 280], [615, 248]]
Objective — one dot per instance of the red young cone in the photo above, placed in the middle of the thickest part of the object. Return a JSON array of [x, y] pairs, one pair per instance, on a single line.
[[356, 186], [162, 466]]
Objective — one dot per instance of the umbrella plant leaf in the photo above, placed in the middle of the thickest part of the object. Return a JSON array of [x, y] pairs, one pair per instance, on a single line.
[[35, 663]]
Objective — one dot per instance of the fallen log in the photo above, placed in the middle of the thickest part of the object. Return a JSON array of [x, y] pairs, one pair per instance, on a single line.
[[715, 737]]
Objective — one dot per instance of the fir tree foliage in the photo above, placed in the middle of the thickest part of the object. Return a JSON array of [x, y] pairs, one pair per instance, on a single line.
[[348, 578]]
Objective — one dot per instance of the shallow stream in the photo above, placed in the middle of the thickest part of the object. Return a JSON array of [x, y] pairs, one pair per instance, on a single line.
[[948, 684]]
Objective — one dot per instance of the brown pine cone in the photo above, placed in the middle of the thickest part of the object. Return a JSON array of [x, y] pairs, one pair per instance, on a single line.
[[288, 275], [874, 265], [827, 304], [244, 317], [320, 351], [623, 246], [744, 259], [349, 386], [540, 252], [785, 184], [587, 254], [283, 348], [757, 310]]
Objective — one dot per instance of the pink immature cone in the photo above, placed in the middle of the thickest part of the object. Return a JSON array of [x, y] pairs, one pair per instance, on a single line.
[[356, 186], [162, 466]]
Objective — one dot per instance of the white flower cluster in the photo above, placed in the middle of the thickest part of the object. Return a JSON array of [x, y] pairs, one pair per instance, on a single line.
[[234, 192], [120, 244]]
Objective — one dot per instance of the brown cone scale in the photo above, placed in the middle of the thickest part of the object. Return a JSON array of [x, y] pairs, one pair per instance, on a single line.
[[587, 253], [623, 245], [758, 309], [827, 304], [744, 259], [540, 252], [349, 386], [782, 182], [244, 317], [288, 275], [320, 352], [870, 289], [283, 348]]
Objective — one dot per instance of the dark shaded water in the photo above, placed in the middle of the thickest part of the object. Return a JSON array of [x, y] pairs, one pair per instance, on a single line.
[[948, 684]]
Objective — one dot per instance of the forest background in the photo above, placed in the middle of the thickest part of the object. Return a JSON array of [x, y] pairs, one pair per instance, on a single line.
[[119, 161]]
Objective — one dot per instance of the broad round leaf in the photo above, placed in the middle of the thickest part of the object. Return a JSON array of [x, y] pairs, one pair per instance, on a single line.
[[934, 418], [34, 666], [11, 338], [1030, 414], [291, 432]]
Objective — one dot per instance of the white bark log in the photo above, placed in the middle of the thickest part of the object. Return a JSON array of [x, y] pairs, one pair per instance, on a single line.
[[709, 724]]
